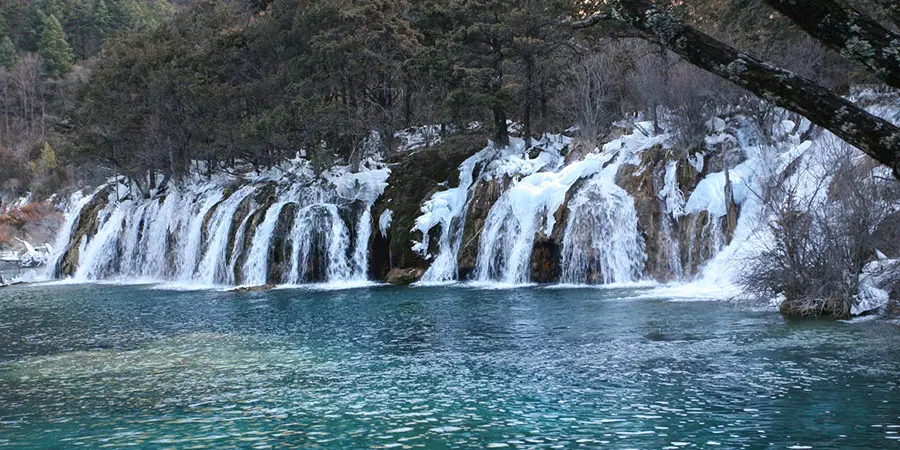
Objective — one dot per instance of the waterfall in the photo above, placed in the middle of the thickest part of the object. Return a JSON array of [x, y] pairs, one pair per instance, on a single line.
[[319, 243], [447, 209], [100, 256], [213, 267], [237, 250], [256, 268], [670, 247], [156, 246], [361, 247], [601, 243], [131, 239], [77, 202], [527, 208], [504, 251], [190, 249], [208, 233]]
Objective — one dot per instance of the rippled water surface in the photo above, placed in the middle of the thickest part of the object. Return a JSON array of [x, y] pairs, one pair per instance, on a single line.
[[99, 366]]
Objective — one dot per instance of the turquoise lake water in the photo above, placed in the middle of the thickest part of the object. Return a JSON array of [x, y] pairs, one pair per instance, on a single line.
[[110, 366]]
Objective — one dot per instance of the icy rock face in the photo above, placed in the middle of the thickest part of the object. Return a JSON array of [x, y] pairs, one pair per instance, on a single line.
[[447, 210], [635, 209], [877, 281], [416, 177], [271, 228]]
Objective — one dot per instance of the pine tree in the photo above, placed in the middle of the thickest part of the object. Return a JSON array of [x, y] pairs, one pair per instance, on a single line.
[[53, 48], [77, 25], [33, 24], [100, 20], [8, 55]]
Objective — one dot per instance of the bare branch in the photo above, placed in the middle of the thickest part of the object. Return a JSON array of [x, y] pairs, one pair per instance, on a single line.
[[849, 32], [594, 19]]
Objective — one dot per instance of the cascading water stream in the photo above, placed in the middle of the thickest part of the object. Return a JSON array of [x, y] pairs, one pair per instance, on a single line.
[[213, 267], [199, 234], [100, 257], [190, 249], [447, 209], [601, 243], [506, 242], [76, 203], [157, 244], [256, 268], [319, 242], [361, 247], [131, 239]]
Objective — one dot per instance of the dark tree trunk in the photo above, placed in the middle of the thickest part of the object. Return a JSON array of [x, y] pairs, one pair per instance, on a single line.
[[407, 104], [847, 31], [544, 107], [529, 95], [893, 9], [502, 134], [876, 137], [526, 123]]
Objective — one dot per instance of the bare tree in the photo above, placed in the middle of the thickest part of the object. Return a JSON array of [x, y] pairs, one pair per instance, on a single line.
[[26, 77], [823, 214], [875, 136], [588, 95]]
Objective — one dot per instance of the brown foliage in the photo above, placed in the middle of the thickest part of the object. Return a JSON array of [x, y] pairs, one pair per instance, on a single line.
[[13, 219]]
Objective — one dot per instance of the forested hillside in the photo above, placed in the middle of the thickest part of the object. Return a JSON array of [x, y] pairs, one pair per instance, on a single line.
[[256, 82]]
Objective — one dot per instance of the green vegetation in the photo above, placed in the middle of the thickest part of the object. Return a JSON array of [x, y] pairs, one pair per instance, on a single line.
[[258, 81]]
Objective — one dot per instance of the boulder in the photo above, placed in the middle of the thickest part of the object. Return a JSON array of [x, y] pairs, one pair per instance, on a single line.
[[404, 276], [264, 287]]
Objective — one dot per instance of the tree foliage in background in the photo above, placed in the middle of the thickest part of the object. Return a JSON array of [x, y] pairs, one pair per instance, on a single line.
[[234, 82], [53, 48]]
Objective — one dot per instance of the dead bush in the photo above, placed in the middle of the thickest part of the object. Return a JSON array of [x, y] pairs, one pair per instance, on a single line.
[[824, 219]]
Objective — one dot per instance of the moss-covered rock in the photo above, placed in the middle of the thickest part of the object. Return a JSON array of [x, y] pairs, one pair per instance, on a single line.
[[414, 177], [404, 276]]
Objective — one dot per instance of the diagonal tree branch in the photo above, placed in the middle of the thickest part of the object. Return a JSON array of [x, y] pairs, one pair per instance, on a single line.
[[875, 136], [893, 9], [847, 31], [592, 20]]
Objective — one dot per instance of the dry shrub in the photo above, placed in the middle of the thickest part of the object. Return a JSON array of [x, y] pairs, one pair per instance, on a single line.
[[824, 229], [589, 98]]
